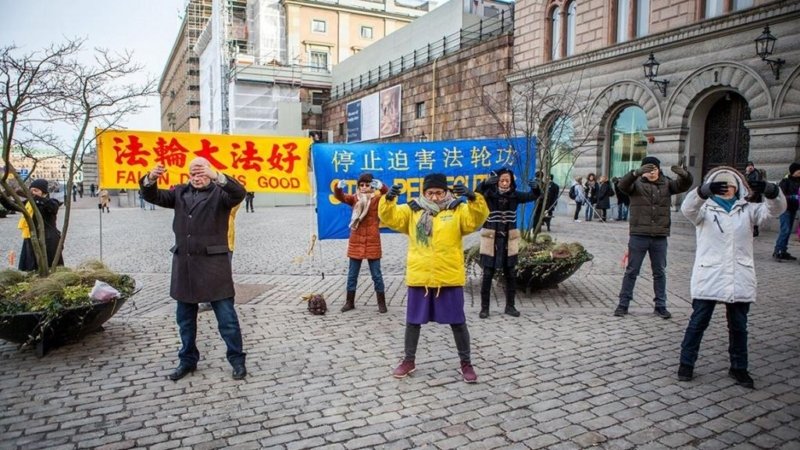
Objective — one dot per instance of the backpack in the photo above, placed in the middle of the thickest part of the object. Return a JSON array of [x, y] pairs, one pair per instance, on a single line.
[[572, 194]]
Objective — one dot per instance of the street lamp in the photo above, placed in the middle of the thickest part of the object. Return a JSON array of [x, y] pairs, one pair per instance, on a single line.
[[64, 178], [651, 72], [765, 44]]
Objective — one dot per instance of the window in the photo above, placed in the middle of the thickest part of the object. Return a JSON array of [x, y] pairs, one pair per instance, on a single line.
[[632, 19], [318, 97], [572, 11], [366, 32], [715, 8], [628, 140], [419, 110], [561, 134], [561, 23], [319, 61], [341, 129], [319, 26], [555, 33]]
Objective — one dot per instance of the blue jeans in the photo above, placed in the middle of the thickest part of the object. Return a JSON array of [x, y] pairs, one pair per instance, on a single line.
[[589, 211], [787, 220], [227, 322], [374, 270], [622, 211], [736, 313], [656, 246]]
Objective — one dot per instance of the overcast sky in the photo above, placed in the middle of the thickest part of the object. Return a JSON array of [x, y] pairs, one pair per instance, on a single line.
[[146, 27]]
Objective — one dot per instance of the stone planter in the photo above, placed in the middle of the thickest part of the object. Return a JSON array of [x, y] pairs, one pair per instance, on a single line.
[[547, 275], [69, 326]]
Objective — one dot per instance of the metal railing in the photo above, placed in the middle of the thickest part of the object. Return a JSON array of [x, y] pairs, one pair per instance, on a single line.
[[486, 29]]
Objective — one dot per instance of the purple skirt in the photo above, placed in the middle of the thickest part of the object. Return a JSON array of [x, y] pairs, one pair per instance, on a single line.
[[446, 307]]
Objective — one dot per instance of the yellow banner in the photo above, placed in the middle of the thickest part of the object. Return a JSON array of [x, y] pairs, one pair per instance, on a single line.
[[260, 163]]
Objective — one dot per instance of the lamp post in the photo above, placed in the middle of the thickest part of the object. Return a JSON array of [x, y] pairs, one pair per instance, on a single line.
[[765, 45], [64, 178], [651, 72]]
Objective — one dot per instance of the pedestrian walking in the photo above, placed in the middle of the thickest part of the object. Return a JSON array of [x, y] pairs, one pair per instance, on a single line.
[[790, 186], [651, 193], [48, 208], [365, 236], [577, 193], [500, 236], [590, 189], [248, 202], [435, 224], [604, 193], [141, 199], [104, 201], [201, 265], [92, 188], [74, 193], [723, 269], [623, 200]]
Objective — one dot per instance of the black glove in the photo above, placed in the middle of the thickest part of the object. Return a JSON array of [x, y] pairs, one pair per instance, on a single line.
[[461, 190], [414, 205], [771, 190], [647, 168], [535, 188], [394, 191], [715, 188], [679, 171]]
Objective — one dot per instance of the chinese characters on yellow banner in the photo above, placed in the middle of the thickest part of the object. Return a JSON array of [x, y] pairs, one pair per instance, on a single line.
[[260, 163]]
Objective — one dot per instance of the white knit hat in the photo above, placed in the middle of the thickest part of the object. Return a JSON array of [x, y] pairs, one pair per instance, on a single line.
[[728, 178]]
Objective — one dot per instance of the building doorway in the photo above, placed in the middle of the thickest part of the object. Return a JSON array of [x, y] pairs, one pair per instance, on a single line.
[[726, 141]]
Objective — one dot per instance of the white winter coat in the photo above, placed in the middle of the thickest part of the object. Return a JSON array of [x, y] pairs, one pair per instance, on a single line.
[[723, 265]]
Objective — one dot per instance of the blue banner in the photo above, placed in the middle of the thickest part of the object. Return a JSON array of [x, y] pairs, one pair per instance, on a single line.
[[406, 164]]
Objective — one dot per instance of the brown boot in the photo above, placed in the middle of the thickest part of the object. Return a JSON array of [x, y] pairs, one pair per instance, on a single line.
[[350, 303], [381, 302]]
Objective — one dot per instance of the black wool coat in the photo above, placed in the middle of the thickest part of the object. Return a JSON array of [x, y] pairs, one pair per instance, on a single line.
[[502, 218], [604, 194], [201, 269]]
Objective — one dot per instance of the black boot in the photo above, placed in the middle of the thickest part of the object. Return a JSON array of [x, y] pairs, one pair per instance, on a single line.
[[486, 290], [381, 302], [350, 303], [511, 292]]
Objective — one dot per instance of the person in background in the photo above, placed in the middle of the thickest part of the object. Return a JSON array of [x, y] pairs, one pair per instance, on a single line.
[[248, 202], [651, 197], [499, 236], [92, 189], [604, 194], [623, 200], [365, 236], [723, 266], [48, 207], [201, 264], [104, 201], [74, 193], [790, 186], [141, 200], [435, 224], [577, 193], [553, 191], [590, 189]]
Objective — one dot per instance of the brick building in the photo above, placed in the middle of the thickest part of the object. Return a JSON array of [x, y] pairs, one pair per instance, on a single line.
[[713, 102]]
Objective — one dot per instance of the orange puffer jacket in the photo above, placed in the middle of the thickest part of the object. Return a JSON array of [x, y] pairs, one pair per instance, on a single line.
[[365, 241]]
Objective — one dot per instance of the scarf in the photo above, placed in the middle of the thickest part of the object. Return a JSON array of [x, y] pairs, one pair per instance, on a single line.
[[360, 209], [429, 211], [725, 203]]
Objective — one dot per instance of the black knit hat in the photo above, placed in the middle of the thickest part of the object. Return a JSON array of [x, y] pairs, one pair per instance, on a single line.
[[434, 180], [651, 160], [365, 177], [41, 184], [794, 167]]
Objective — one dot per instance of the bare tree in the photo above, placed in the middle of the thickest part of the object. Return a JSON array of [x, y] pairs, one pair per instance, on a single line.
[[546, 114], [53, 86]]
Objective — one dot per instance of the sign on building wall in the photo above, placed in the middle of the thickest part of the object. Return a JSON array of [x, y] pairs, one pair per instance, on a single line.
[[260, 163], [467, 161], [374, 116]]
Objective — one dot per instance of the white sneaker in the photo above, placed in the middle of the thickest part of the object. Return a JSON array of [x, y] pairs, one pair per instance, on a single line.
[[578, 221]]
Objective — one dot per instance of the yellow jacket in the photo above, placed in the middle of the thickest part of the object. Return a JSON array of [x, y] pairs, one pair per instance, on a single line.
[[440, 264], [23, 224], [231, 227]]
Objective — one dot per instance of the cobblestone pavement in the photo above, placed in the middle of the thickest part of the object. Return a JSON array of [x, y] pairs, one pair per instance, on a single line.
[[567, 374]]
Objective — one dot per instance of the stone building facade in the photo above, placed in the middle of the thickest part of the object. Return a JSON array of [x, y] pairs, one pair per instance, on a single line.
[[443, 99], [721, 103]]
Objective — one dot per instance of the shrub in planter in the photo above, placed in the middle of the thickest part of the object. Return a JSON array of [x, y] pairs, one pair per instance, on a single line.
[[541, 264], [47, 312]]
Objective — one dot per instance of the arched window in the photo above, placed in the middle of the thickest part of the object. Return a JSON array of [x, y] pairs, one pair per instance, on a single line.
[[555, 33], [628, 140], [572, 11]]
